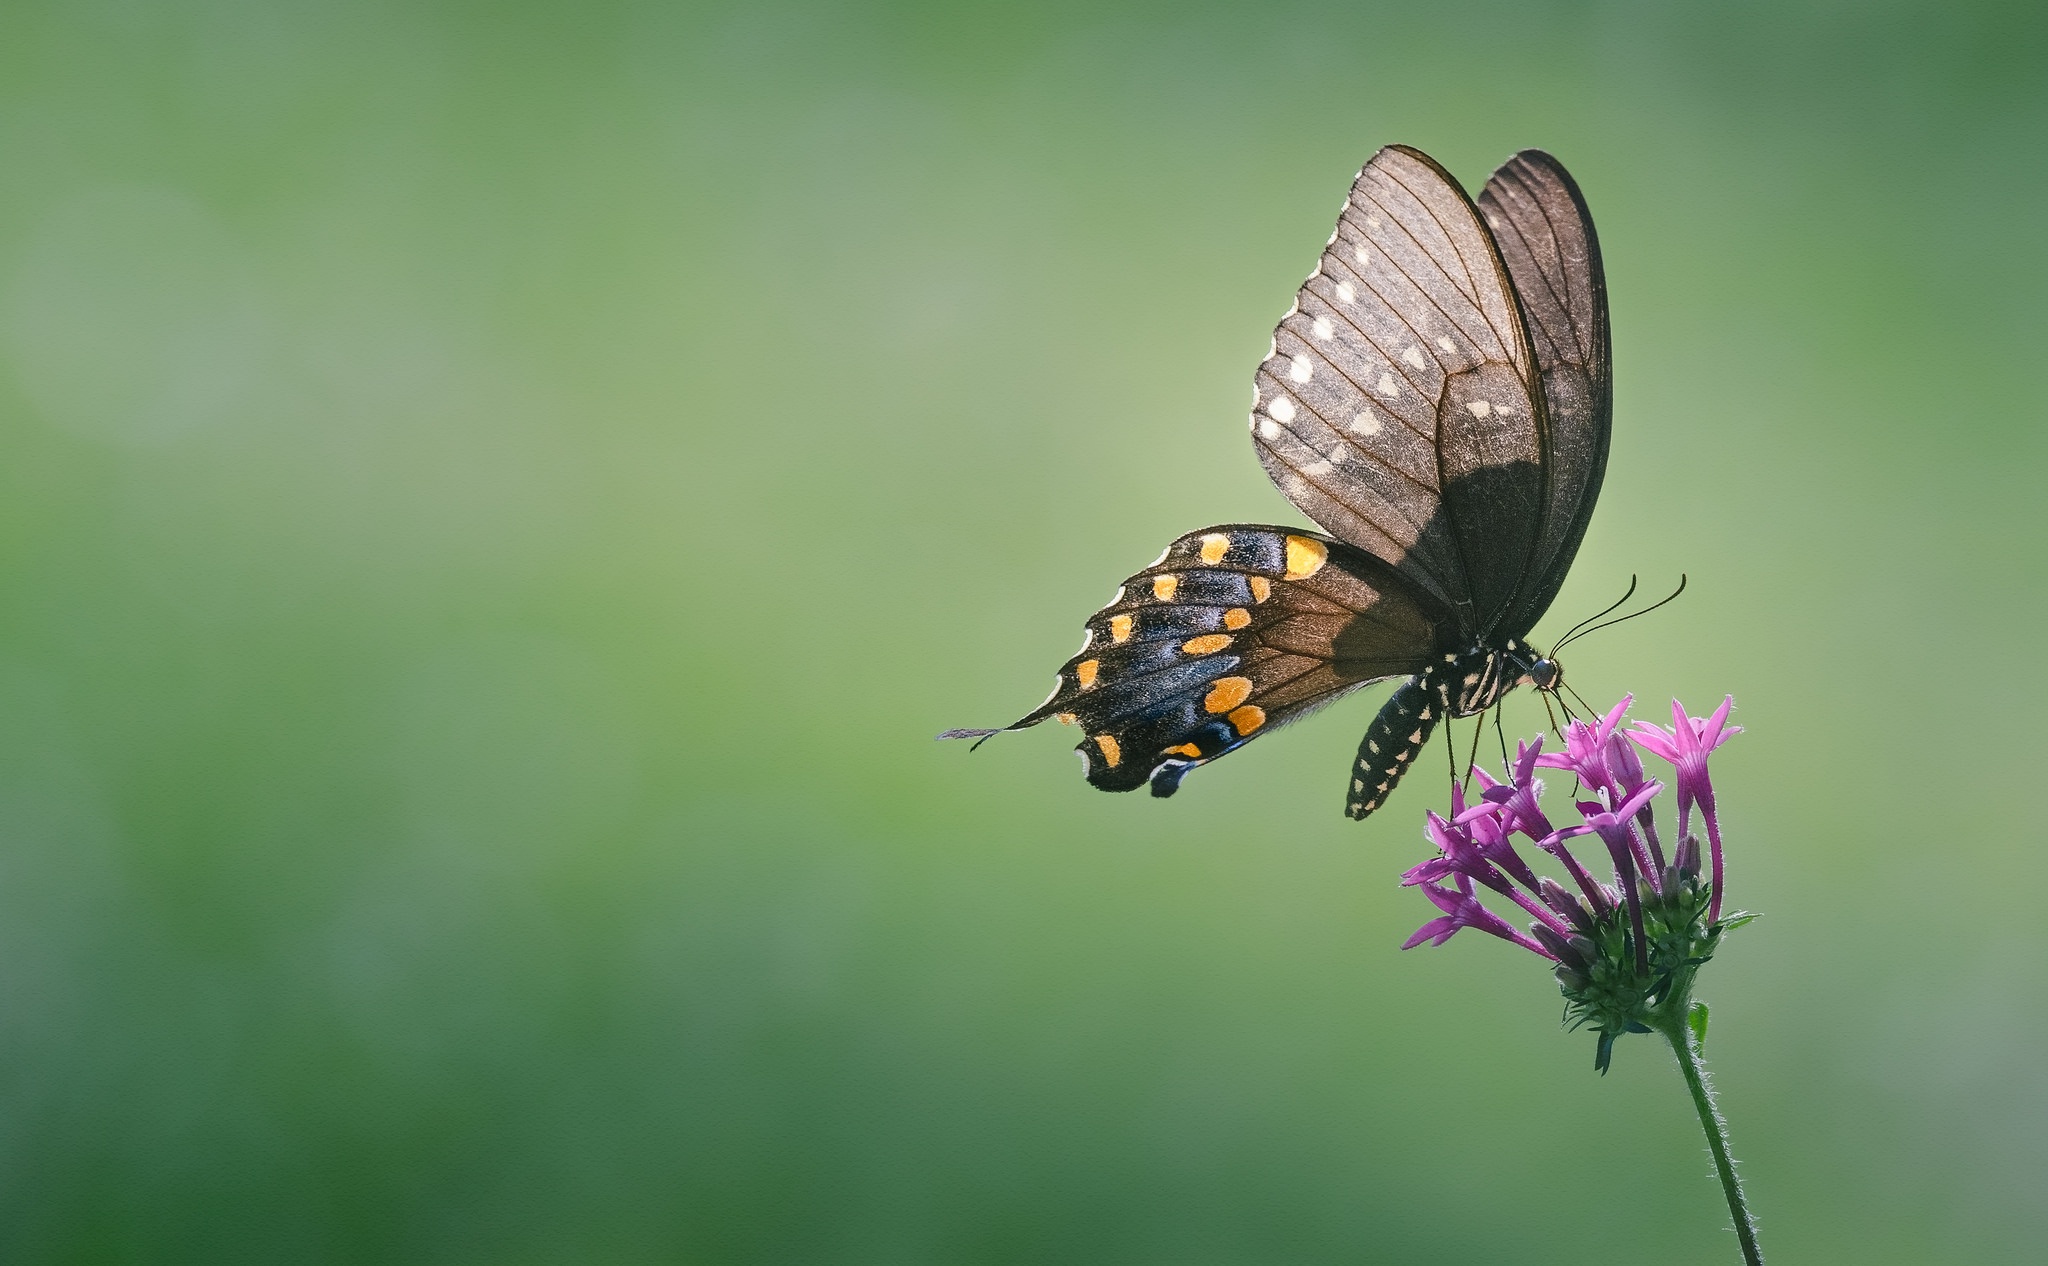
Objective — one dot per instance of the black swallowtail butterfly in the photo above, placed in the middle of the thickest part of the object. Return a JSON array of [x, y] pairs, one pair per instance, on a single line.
[[1438, 399]]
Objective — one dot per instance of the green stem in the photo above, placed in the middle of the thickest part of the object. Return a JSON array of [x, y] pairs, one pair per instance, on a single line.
[[1680, 1035]]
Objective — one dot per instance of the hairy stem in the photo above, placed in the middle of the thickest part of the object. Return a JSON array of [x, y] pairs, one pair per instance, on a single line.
[[1683, 1045]]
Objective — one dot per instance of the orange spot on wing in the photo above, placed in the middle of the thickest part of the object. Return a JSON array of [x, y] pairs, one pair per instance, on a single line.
[[1248, 718], [1236, 618], [1227, 693], [1262, 588], [1185, 749], [1110, 751], [1208, 644], [1065, 718], [1120, 628], [1215, 546], [1305, 557], [1163, 587], [1084, 672]]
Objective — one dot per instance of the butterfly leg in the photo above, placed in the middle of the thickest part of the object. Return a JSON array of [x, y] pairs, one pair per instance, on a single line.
[[1472, 757], [1577, 784], [1590, 709], [1507, 762]]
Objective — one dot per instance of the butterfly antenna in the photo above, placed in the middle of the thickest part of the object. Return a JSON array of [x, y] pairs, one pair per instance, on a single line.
[[1630, 616], [1573, 630]]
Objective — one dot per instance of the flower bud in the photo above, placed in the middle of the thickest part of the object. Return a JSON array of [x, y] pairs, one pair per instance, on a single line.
[[1571, 979], [1623, 765], [1584, 948], [1549, 938], [1687, 859], [1555, 896], [1603, 897]]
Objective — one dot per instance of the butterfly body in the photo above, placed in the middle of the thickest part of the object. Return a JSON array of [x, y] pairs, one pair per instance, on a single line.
[[1458, 685], [1437, 399]]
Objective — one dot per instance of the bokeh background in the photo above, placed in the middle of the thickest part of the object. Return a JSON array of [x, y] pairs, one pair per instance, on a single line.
[[495, 501]]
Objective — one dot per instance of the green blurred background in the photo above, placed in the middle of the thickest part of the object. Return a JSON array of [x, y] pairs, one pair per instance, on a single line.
[[496, 499]]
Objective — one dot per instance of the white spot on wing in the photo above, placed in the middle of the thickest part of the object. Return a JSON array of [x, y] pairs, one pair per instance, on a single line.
[[1362, 255], [1345, 294], [1300, 370], [1388, 387], [1322, 328], [1414, 357], [1372, 221], [1479, 408], [1282, 409], [1366, 424], [1446, 344], [1269, 428]]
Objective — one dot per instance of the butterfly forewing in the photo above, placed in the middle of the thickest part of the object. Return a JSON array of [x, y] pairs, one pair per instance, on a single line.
[[1398, 407], [1234, 631], [1539, 219]]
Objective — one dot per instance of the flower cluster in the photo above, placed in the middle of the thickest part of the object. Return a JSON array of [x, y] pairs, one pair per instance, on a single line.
[[1623, 950]]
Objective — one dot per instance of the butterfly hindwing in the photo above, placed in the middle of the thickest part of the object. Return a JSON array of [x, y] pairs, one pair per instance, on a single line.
[[1234, 631], [1399, 407]]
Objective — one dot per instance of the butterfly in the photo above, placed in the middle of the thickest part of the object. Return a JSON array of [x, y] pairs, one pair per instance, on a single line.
[[1438, 400]]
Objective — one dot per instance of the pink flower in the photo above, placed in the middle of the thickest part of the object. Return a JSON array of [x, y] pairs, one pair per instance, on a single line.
[[1461, 909], [1586, 747], [1686, 745]]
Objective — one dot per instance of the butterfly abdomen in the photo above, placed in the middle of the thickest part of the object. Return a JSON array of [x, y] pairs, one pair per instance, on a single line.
[[1455, 686], [1394, 739]]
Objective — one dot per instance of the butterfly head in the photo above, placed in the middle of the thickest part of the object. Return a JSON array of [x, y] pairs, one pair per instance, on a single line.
[[1533, 666]]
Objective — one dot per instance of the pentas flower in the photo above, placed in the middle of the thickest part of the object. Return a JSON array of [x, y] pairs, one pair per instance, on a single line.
[[1624, 957], [1461, 909], [1514, 804], [1617, 830], [1619, 951], [1687, 745], [1585, 749], [1469, 857]]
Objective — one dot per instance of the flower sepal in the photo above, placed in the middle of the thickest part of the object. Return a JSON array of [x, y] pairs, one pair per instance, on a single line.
[[1608, 992]]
